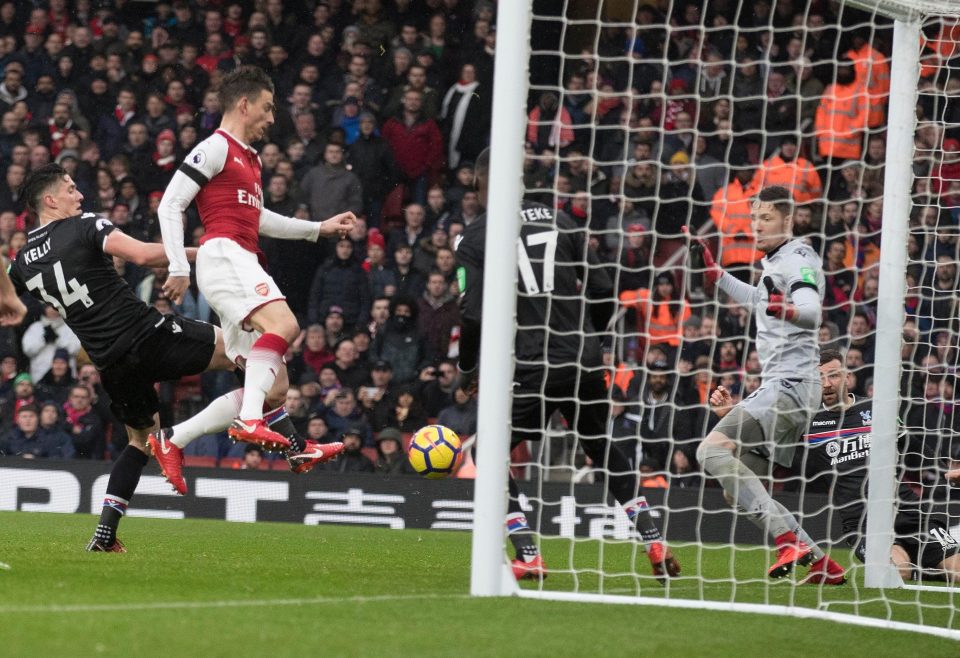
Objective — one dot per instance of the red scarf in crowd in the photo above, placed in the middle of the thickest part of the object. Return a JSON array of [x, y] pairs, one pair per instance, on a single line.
[[96, 27], [121, 116], [232, 28], [58, 24], [316, 360], [58, 135], [635, 258], [24, 221], [166, 164], [74, 415]]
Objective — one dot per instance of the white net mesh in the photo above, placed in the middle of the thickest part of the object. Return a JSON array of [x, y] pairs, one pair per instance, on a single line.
[[650, 119], [930, 337]]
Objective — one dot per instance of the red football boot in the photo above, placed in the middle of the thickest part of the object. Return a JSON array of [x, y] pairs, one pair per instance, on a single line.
[[664, 564], [96, 546], [256, 431], [534, 569], [789, 554], [825, 572], [315, 453], [170, 459]]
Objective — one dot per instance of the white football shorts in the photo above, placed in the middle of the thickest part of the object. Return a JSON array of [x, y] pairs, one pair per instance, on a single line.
[[235, 285]]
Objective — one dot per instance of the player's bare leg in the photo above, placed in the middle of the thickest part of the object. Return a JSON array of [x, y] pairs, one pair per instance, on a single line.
[[124, 477], [278, 327], [220, 360], [718, 453], [950, 566], [901, 560]]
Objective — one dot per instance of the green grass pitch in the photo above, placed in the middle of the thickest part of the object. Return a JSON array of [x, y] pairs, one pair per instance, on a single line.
[[213, 588]]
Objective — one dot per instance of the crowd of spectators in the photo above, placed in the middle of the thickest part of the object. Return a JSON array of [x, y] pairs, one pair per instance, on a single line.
[[382, 106]]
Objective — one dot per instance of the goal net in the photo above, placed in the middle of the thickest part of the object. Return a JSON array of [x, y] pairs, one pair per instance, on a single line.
[[650, 119]]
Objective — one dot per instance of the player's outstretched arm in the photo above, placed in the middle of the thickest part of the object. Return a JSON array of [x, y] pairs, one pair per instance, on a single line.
[[470, 274], [338, 225], [740, 292], [144, 254], [468, 361], [12, 310], [274, 225], [698, 247]]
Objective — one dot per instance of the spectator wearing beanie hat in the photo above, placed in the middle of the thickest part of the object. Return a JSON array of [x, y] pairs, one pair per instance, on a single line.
[[347, 116], [164, 160], [381, 277], [22, 391], [391, 459], [56, 384]]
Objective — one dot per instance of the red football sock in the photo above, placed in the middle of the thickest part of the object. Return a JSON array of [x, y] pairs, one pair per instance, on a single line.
[[263, 364]]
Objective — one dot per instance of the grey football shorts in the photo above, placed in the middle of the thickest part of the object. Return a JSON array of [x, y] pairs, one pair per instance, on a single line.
[[773, 419]]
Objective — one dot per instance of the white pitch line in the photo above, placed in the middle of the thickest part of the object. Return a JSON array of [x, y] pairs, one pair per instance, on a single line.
[[238, 603]]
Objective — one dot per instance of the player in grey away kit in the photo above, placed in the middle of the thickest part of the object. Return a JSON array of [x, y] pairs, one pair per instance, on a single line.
[[834, 461], [773, 418]]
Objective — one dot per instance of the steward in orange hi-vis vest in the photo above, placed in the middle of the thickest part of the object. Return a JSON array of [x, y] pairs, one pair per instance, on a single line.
[[943, 47], [660, 312], [730, 213], [873, 72], [790, 170], [842, 115]]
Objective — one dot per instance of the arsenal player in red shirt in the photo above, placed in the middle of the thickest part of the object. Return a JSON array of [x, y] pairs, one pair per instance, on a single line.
[[222, 174]]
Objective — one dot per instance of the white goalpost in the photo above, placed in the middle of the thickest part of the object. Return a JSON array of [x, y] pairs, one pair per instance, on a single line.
[[592, 552], [489, 575], [890, 315]]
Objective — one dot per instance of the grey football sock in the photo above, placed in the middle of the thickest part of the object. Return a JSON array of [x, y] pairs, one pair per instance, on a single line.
[[798, 531], [762, 467], [806, 539], [743, 486]]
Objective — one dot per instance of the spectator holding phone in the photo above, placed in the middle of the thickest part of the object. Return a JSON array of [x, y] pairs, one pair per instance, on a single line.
[[378, 397], [437, 384]]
